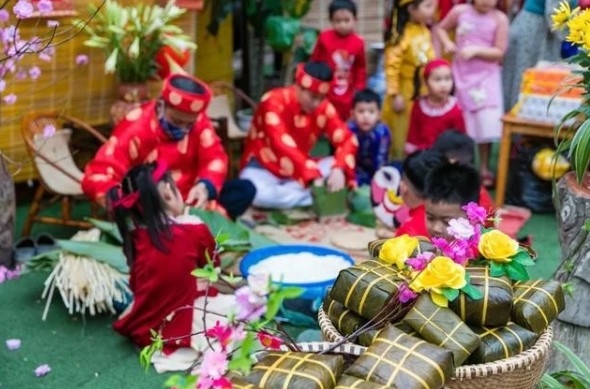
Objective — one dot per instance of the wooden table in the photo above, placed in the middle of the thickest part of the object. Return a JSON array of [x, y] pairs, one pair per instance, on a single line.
[[514, 125]]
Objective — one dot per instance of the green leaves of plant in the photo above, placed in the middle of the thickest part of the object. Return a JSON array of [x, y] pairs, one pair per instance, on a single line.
[[580, 150], [107, 253], [472, 292], [181, 381], [450, 293], [276, 299]]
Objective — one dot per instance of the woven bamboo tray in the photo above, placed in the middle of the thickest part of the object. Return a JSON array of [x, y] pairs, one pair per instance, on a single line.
[[522, 371]]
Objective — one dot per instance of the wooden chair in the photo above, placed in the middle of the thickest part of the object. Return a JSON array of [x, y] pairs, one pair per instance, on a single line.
[[47, 137], [222, 110]]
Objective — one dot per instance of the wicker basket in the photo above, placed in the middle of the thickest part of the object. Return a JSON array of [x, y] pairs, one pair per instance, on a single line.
[[522, 371]]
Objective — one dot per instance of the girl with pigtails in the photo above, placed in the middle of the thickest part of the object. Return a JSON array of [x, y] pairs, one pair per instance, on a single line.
[[163, 245], [408, 47]]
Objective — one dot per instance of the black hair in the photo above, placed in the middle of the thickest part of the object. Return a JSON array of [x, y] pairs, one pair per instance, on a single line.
[[453, 183], [337, 5], [319, 70], [457, 145], [148, 211], [187, 84], [366, 96], [417, 165], [398, 18]]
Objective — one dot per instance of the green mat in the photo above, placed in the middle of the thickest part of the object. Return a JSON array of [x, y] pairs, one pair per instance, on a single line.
[[81, 353]]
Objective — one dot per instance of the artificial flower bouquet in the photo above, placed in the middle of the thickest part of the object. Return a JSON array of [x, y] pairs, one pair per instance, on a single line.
[[469, 297]]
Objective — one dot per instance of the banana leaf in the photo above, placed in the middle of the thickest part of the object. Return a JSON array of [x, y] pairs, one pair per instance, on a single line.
[[103, 252], [111, 232]]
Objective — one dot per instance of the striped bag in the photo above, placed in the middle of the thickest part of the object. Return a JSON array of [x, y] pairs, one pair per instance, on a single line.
[[493, 309], [442, 327], [297, 370], [537, 303], [398, 359], [366, 288], [501, 342], [347, 382]]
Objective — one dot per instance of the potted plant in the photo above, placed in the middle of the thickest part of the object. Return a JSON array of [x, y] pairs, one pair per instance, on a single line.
[[132, 36]]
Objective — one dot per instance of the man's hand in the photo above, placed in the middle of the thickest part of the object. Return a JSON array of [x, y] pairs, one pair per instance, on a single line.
[[336, 180], [197, 196]]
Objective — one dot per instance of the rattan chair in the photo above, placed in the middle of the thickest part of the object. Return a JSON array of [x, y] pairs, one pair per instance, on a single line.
[[227, 101], [47, 137]]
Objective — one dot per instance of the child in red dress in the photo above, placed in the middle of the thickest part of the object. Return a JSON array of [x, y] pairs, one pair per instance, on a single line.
[[163, 246], [436, 112], [344, 51]]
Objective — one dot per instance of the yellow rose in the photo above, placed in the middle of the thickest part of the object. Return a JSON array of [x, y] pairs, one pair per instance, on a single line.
[[397, 250], [441, 272], [497, 246]]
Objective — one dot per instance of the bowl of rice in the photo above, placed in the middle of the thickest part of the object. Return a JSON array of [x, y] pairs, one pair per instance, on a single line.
[[312, 268]]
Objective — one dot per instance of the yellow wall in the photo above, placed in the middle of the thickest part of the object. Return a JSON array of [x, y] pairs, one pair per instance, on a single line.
[[86, 91]]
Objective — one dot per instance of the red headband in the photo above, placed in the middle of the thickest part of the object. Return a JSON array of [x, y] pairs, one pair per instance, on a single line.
[[307, 81], [130, 200], [183, 100], [434, 64]]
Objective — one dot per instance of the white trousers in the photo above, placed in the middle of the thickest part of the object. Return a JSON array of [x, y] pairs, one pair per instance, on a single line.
[[281, 193]]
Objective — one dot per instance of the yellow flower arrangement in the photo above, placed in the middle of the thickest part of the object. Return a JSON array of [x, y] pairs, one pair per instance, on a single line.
[[562, 14], [497, 246], [395, 251], [441, 272]]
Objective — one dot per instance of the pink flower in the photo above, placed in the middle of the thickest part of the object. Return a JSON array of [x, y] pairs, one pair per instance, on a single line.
[[4, 16], [52, 23], [259, 284], [406, 294], [222, 333], [214, 364], [34, 72], [48, 131], [13, 344], [44, 6], [81, 59], [219, 383], [269, 341], [460, 252], [10, 99], [420, 261], [42, 370], [250, 306], [2, 86], [475, 213], [45, 57], [23, 9], [460, 229]]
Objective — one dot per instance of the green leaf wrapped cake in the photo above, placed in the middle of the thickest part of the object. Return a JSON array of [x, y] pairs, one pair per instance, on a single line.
[[241, 383], [396, 358], [493, 309], [367, 337], [347, 382], [366, 288], [501, 342], [442, 327], [345, 321], [537, 303], [296, 370]]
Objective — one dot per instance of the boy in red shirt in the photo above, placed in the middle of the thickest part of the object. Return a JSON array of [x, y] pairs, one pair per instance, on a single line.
[[344, 51]]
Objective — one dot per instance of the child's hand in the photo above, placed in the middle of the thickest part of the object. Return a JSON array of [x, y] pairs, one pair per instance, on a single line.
[[198, 195], [398, 103], [336, 180], [449, 47], [468, 52]]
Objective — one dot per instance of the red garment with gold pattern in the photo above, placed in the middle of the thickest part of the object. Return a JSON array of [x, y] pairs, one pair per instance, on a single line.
[[139, 139], [346, 57], [282, 136], [161, 282]]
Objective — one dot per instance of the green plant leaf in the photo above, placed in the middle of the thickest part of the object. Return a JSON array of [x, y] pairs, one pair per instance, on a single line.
[[180, 381], [108, 228], [548, 382], [450, 293], [208, 273], [580, 150], [523, 258], [290, 292], [496, 269], [580, 366], [102, 252], [516, 271], [298, 319], [572, 379], [472, 292]]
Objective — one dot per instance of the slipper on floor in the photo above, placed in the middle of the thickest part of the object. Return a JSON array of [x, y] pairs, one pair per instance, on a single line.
[[24, 249], [45, 243]]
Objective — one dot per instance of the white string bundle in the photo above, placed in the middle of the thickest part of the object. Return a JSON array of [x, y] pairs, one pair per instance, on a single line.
[[84, 283]]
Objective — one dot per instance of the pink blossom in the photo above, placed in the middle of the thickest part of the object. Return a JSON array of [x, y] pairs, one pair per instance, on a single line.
[[48, 131], [42, 370], [420, 261], [475, 213], [259, 284], [250, 306], [4, 16], [460, 229], [460, 251], [10, 34], [52, 23], [2, 86], [23, 9], [269, 341], [10, 99], [406, 294], [45, 57], [219, 383], [13, 344], [44, 6], [441, 243], [7, 274], [34, 72], [81, 59], [214, 364], [222, 333]]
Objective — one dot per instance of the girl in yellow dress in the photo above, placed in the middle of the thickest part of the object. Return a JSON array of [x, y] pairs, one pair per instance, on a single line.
[[408, 48]]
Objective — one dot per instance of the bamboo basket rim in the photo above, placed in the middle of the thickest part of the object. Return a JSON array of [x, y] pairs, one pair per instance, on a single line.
[[536, 353]]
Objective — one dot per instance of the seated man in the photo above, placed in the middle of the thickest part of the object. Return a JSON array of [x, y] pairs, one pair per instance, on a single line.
[[286, 125], [175, 129]]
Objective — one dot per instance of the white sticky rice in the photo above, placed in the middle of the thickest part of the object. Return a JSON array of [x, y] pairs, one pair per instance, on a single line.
[[301, 268]]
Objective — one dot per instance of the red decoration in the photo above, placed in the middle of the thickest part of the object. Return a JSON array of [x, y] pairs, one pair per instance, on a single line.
[[193, 5], [167, 54]]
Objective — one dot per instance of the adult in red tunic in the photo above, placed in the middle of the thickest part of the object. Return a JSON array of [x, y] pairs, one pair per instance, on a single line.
[[436, 112], [174, 129], [286, 125], [344, 51]]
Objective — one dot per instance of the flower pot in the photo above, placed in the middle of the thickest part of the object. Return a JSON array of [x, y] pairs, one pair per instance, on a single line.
[[133, 92]]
